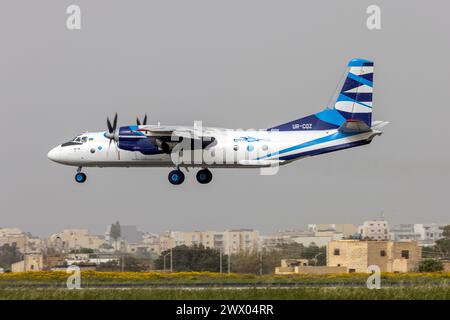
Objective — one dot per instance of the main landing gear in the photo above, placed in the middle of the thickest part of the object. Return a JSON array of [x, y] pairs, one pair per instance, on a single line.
[[204, 176], [176, 177], [80, 177]]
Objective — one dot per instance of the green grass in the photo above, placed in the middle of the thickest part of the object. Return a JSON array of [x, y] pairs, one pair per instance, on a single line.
[[397, 293]]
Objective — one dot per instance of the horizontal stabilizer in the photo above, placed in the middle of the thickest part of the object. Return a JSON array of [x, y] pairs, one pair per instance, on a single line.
[[377, 125], [353, 126]]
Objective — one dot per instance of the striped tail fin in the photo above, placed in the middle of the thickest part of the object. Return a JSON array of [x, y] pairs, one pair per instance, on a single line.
[[354, 101]]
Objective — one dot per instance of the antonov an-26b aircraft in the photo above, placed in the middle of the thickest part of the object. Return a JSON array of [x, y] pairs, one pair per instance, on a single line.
[[345, 123]]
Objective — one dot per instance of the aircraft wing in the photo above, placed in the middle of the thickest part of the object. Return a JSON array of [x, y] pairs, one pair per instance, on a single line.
[[174, 131]]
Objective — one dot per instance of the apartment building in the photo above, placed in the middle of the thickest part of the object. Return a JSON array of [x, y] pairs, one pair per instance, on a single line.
[[229, 241], [374, 230], [424, 234]]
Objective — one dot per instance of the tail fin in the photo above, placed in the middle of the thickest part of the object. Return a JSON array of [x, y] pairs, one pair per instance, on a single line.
[[352, 102]]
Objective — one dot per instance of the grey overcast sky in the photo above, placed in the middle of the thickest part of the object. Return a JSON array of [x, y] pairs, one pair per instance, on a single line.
[[236, 64]]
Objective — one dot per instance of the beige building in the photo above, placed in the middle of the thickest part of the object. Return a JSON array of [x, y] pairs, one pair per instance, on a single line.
[[31, 262], [389, 256], [23, 241], [300, 266], [186, 238], [69, 239], [230, 241]]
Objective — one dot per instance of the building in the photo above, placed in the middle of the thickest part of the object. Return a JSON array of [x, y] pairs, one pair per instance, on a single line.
[[283, 237], [229, 241], [23, 241], [424, 234], [72, 239], [240, 241], [429, 233], [128, 234], [186, 238], [347, 230], [375, 230], [90, 259], [31, 262], [404, 232], [156, 244], [389, 256], [301, 266]]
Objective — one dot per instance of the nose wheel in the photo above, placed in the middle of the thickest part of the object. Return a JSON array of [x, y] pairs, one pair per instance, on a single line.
[[176, 177], [204, 176], [80, 177]]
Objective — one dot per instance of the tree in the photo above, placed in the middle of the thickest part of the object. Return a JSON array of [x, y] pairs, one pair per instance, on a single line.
[[431, 265], [446, 232], [443, 245], [108, 266], [134, 264], [253, 262], [195, 258], [115, 233], [82, 250], [9, 255]]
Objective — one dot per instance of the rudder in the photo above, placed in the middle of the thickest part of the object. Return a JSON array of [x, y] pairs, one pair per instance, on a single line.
[[354, 101]]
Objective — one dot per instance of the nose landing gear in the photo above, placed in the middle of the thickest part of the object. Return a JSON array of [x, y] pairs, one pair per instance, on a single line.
[[204, 176], [80, 177]]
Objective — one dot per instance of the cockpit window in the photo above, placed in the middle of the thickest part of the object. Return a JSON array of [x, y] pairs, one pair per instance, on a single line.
[[76, 141]]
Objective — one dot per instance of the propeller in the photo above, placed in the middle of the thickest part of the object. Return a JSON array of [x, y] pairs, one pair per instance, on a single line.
[[112, 134], [144, 122]]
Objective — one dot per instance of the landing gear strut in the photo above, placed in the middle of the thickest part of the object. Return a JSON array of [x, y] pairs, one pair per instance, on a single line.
[[176, 177], [80, 177], [204, 176]]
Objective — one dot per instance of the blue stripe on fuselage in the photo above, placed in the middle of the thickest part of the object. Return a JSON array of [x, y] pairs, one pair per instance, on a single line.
[[326, 149], [331, 137]]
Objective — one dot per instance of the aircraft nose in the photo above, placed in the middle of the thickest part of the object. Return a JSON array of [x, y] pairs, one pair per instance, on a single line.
[[54, 154]]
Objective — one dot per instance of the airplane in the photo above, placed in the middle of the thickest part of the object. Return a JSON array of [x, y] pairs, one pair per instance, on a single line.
[[345, 123]]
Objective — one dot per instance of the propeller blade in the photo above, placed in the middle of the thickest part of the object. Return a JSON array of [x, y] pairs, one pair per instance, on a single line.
[[115, 122], [144, 122], [110, 128]]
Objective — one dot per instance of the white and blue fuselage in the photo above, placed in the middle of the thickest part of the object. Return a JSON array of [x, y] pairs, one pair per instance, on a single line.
[[348, 123]]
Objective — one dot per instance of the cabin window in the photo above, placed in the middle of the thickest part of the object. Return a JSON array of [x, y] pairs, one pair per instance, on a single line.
[[84, 139]]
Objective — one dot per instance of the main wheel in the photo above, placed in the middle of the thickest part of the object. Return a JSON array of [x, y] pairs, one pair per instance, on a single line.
[[176, 177], [204, 176], [80, 177]]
